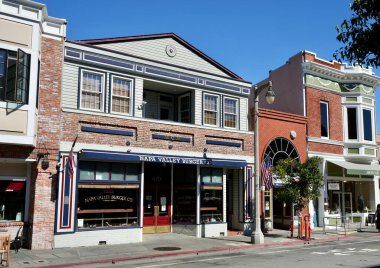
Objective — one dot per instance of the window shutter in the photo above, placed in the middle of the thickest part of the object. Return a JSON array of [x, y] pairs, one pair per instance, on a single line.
[[22, 76]]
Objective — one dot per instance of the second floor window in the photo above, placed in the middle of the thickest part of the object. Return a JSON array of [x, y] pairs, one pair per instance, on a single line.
[[367, 125], [210, 113], [92, 90], [14, 76], [230, 113], [324, 107], [121, 95], [352, 130]]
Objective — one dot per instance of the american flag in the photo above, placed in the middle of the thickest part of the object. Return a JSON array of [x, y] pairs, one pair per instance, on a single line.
[[266, 173], [71, 164]]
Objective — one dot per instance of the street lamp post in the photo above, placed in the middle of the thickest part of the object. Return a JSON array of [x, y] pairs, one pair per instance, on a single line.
[[257, 236]]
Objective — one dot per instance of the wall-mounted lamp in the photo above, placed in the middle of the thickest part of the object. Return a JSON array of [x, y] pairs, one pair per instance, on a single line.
[[45, 160], [128, 143], [170, 146], [141, 106]]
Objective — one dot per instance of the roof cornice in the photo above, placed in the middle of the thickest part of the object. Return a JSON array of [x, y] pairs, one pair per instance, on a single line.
[[362, 77]]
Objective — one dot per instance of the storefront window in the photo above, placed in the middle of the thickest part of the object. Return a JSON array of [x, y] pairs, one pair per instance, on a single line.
[[211, 195], [184, 194], [107, 208], [103, 171], [12, 200], [108, 195]]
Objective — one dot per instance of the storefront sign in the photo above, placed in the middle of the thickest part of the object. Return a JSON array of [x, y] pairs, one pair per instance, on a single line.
[[175, 160], [108, 198], [333, 186]]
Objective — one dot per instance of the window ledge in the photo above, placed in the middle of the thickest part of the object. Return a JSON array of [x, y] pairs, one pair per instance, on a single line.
[[11, 223]]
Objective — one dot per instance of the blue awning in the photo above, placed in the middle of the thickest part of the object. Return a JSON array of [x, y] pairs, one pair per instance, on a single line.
[[129, 156]]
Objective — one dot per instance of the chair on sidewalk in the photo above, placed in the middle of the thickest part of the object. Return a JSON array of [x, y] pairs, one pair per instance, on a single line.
[[5, 241]]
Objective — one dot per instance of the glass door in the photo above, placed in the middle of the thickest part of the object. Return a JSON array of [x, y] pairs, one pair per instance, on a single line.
[[157, 201]]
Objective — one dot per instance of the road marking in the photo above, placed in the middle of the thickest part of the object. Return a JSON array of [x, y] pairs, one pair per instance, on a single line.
[[275, 251], [185, 262]]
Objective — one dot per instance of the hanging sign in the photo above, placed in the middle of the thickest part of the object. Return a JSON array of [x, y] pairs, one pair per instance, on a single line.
[[334, 186]]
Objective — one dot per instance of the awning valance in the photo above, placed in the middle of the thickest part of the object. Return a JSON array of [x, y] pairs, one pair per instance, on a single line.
[[358, 169], [129, 156]]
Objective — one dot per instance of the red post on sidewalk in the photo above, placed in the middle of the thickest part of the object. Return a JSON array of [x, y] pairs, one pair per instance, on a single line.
[[307, 227]]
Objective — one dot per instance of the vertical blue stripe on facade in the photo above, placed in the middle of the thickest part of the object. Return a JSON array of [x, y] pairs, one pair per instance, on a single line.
[[249, 193], [66, 198]]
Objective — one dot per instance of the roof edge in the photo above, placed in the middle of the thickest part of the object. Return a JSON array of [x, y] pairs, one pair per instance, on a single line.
[[161, 35]]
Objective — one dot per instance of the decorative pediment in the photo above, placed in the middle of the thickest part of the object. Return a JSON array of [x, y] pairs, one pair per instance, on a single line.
[[164, 48]]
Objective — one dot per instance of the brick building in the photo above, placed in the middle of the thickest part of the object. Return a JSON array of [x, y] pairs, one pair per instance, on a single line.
[[31, 49], [163, 142], [336, 104]]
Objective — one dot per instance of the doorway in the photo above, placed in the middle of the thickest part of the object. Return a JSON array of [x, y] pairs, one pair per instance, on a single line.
[[343, 202], [157, 198]]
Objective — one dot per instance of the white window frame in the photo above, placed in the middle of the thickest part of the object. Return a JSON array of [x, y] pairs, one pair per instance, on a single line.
[[328, 120], [217, 109], [102, 93], [236, 112], [131, 94], [179, 107]]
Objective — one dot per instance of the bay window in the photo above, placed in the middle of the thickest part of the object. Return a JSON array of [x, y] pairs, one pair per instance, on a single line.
[[352, 130], [92, 87], [14, 76], [367, 125]]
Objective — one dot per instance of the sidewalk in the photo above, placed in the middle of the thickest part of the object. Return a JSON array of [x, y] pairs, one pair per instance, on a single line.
[[154, 246]]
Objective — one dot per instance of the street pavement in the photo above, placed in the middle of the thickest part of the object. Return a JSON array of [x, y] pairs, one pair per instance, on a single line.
[[173, 246]]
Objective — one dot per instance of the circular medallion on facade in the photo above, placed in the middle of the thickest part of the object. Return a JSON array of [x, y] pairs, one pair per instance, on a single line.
[[171, 51]]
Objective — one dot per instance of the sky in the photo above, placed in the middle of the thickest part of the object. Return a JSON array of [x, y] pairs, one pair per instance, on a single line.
[[249, 37]]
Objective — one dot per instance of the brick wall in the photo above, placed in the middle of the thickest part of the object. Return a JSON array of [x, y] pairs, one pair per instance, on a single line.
[[274, 124], [142, 134], [312, 57], [42, 203], [314, 97]]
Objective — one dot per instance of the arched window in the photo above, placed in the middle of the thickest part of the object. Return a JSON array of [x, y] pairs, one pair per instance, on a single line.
[[281, 148]]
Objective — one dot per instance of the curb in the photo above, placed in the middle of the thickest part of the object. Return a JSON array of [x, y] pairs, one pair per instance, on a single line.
[[188, 252]]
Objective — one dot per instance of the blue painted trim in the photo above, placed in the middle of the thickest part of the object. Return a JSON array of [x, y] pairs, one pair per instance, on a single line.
[[170, 138], [109, 182], [212, 184], [57, 192], [108, 60], [223, 143], [73, 53], [124, 65], [125, 156], [107, 131]]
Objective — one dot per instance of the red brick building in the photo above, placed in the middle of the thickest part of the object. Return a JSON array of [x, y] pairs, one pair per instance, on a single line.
[[31, 43], [336, 106]]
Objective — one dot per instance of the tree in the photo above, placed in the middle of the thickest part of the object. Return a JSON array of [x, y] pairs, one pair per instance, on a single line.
[[302, 182], [361, 34]]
